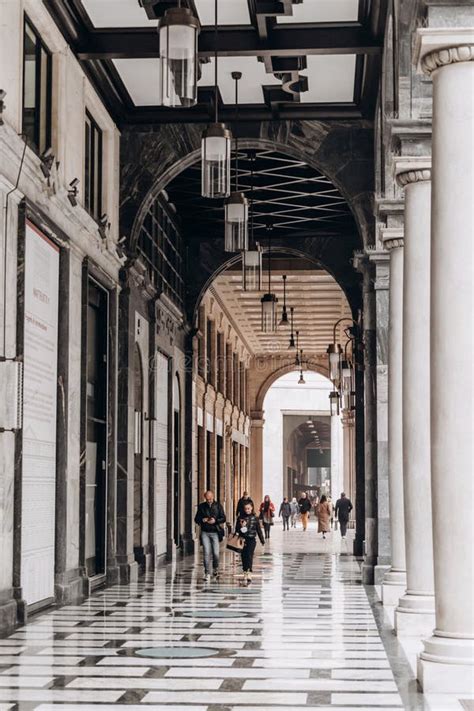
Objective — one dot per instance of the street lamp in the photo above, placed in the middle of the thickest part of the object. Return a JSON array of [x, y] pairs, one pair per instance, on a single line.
[[334, 402], [178, 63]]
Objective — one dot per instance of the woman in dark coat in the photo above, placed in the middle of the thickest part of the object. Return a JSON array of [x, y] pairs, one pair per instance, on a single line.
[[267, 512], [248, 527]]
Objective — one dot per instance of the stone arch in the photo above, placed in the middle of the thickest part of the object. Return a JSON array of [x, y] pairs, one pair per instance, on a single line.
[[342, 152], [272, 377]]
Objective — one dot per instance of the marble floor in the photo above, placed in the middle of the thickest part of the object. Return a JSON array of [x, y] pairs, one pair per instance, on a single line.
[[305, 635]]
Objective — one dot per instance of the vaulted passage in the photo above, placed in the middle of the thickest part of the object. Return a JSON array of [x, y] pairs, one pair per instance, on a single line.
[[236, 300]]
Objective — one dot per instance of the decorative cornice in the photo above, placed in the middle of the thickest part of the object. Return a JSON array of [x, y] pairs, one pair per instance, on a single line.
[[441, 46], [412, 169], [392, 238], [443, 57]]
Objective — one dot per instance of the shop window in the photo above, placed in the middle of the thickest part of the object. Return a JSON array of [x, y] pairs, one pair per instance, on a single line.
[[93, 168], [37, 82]]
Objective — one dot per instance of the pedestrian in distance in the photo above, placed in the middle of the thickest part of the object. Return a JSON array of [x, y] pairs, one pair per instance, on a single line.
[[331, 506], [248, 527], [267, 513], [210, 516], [323, 513], [244, 499], [285, 513], [342, 513], [305, 507], [295, 509]]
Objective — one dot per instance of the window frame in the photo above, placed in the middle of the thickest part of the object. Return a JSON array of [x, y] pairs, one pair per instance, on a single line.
[[91, 126], [35, 143]]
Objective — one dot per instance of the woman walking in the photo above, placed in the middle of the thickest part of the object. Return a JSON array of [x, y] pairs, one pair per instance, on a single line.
[[248, 527], [267, 512], [295, 509], [285, 513], [323, 512]]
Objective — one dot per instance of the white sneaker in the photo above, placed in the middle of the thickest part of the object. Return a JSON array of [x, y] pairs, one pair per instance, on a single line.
[[207, 578]]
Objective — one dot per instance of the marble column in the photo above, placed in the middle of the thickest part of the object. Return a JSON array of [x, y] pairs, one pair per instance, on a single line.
[[394, 582], [446, 664], [256, 455], [415, 612], [336, 458], [348, 453]]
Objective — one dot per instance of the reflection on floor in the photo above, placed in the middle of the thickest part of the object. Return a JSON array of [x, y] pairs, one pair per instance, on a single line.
[[306, 634]]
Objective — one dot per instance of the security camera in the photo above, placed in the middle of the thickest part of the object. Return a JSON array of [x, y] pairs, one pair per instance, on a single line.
[[47, 160]]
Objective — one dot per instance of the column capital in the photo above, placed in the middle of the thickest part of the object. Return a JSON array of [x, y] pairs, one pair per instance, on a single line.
[[392, 237], [440, 46], [412, 169]]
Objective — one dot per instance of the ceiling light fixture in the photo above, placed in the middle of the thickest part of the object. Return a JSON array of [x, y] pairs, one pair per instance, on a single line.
[[252, 258], [178, 63], [269, 300], [284, 314], [292, 335], [236, 206], [216, 144]]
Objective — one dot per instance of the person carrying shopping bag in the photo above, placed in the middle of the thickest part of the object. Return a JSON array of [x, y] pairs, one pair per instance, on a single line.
[[248, 527]]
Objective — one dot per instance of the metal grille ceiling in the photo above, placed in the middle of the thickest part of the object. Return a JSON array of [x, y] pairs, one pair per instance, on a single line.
[[318, 58], [299, 201]]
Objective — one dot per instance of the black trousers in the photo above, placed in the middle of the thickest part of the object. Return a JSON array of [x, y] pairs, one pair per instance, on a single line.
[[286, 523], [343, 525], [247, 554], [266, 528]]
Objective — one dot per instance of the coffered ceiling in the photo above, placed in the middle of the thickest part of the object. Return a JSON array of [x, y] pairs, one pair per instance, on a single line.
[[299, 58], [317, 299]]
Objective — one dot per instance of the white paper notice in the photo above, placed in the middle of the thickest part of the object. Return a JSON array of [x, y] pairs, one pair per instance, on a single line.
[[39, 416]]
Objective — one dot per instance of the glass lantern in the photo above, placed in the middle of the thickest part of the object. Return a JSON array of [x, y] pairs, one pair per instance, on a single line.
[[178, 62], [236, 223], [252, 269], [334, 402], [334, 356], [216, 153], [269, 312]]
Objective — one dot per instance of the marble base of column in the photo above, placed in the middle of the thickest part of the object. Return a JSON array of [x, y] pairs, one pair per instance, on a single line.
[[380, 571], [394, 586], [187, 545], [415, 615], [69, 587], [8, 612], [447, 665], [128, 569]]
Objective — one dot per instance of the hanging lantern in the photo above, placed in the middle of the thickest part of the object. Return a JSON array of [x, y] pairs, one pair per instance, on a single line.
[[236, 206], [292, 335], [334, 356], [269, 300], [178, 63], [269, 313], [284, 314], [301, 381], [252, 269], [216, 144]]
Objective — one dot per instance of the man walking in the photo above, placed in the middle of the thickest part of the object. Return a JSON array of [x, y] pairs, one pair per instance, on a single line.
[[305, 507], [342, 511], [285, 513], [210, 516]]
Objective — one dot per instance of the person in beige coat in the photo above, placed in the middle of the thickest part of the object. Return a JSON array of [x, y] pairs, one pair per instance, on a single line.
[[323, 512]]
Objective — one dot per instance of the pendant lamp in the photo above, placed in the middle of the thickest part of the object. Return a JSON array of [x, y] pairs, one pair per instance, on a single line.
[[216, 145], [252, 258], [301, 381], [236, 206], [284, 314], [292, 335], [178, 63], [269, 300]]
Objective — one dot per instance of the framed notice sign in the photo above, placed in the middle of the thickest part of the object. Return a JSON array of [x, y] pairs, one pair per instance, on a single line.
[[41, 287]]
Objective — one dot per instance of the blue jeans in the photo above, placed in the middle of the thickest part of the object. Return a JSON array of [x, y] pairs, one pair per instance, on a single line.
[[210, 544]]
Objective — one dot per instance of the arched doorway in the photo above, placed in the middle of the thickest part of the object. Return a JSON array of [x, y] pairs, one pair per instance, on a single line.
[[138, 457]]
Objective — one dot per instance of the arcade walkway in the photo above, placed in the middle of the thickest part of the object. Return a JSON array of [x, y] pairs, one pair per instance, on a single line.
[[305, 635]]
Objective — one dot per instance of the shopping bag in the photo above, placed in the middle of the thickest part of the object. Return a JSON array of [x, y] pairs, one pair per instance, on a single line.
[[235, 543]]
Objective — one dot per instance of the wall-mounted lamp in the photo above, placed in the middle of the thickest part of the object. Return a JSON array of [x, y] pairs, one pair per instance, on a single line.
[[104, 226], [334, 402]]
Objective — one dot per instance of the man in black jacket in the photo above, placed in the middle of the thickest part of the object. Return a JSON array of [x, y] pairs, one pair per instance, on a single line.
[[343, 509], [305, 507], [210, 516]]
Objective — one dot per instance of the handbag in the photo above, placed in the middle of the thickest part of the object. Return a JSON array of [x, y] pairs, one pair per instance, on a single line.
[[235, 543]]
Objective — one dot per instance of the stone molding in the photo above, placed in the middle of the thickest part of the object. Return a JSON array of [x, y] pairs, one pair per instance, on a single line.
[[444, 57], [392, 238], [412, 169]]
